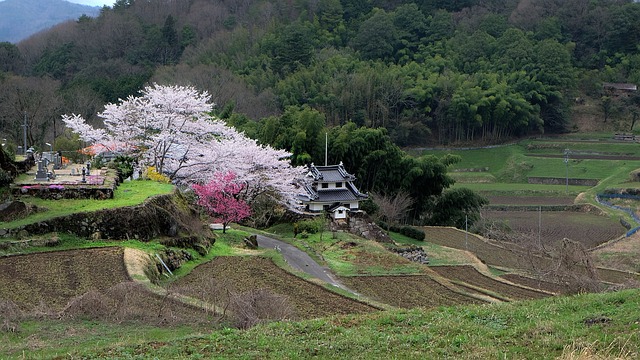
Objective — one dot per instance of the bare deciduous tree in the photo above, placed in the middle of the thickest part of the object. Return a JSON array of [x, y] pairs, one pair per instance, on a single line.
[[38, 99], [393, 209]]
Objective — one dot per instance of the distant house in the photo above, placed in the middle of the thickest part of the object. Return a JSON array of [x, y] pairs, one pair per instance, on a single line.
[[332, 190]]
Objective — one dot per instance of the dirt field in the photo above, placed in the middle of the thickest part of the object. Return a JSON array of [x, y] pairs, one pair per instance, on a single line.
[[494, 253], [54, 278], [589, 229], [470, 275], [490, 253], [407, 291], [251, 273], [534, 283], [89, 283]]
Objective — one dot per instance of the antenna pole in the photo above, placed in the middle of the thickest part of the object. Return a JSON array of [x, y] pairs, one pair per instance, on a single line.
[[326, 147], [24, 133]]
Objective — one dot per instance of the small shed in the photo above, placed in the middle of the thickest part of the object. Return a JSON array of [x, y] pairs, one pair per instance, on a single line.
[[339, 212]]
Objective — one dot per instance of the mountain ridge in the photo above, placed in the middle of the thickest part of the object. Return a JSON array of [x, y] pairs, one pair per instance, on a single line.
[[20, 19]]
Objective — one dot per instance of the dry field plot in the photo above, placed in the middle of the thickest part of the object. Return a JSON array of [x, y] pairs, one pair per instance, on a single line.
[[407, 291], [494, 253], [88, 282], [249, 273], [589, 229], [54, 278], [471, 276], [490, 253]]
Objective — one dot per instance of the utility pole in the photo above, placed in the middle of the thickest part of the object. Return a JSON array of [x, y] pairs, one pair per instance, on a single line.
[[466, 232], [326, 147], [566, 162]]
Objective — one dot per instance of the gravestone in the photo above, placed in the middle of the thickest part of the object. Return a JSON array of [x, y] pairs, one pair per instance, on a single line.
[[42, 173]]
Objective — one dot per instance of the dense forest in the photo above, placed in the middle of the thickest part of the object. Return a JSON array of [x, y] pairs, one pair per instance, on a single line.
[[367, 72], [430, 72]]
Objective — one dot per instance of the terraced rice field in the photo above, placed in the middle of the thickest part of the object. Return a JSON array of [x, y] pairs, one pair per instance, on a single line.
[[471, 276], [243, 274], [552, 226], [407, 291], [54, 278]]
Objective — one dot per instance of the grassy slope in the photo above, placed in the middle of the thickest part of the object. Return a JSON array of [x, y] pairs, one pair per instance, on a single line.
[[607, 324]]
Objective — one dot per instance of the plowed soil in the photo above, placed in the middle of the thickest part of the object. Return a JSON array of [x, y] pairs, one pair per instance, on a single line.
[[470, 275], [498, 254], [493, 253], [251, 273], [54, 278], [589, 229], [87, 279], [408, 291]]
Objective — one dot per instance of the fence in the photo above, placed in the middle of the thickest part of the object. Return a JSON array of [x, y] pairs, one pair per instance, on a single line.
[[600, 199]]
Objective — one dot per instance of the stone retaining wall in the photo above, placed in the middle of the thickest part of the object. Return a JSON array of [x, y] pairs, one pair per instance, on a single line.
[[158, 216], [561, 181], [586, 208]]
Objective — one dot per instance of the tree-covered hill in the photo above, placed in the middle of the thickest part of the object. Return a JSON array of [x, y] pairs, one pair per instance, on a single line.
[[21, 18], [430, 72]]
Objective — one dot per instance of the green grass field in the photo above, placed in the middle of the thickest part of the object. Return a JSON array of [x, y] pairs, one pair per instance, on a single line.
[[505, 170]]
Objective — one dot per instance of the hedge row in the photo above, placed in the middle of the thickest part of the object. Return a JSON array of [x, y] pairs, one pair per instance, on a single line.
[[404, 230]]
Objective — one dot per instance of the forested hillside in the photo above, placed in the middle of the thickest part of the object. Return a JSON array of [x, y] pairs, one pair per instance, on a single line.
[[21, 18], [430, 72]]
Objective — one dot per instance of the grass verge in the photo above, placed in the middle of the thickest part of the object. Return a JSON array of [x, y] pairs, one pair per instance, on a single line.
[[606, 324]]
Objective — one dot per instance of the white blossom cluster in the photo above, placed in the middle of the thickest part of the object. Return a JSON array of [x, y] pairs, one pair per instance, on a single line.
[[170, 127]]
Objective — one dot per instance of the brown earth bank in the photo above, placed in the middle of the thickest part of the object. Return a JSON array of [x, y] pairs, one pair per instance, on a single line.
[[471, 276], [407, 291], [240, 274], [531, 200], [535, 283]]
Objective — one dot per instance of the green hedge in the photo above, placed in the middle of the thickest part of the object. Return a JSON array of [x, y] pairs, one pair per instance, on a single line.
[[404, 230], [309, 226]]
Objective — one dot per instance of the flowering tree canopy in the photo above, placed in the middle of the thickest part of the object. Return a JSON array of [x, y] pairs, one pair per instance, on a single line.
[[220, 197], [171, 129]]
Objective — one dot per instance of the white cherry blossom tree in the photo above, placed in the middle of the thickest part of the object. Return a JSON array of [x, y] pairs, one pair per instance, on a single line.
[[170, 128]]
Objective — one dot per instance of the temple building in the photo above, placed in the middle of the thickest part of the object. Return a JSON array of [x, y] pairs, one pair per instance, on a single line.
[[332, 191]]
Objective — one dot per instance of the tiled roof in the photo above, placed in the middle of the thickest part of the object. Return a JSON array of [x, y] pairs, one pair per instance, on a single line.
[[333, 173], [336, 195], [330, 173]]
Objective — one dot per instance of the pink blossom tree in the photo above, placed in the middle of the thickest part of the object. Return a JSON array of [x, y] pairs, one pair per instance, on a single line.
[[221, 198], [170, 128]]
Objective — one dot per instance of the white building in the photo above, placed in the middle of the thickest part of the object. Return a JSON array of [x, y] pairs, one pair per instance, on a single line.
[[332, 191]]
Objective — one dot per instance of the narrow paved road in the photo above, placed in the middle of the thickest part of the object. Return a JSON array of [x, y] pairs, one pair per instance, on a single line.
[[299, 260]]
